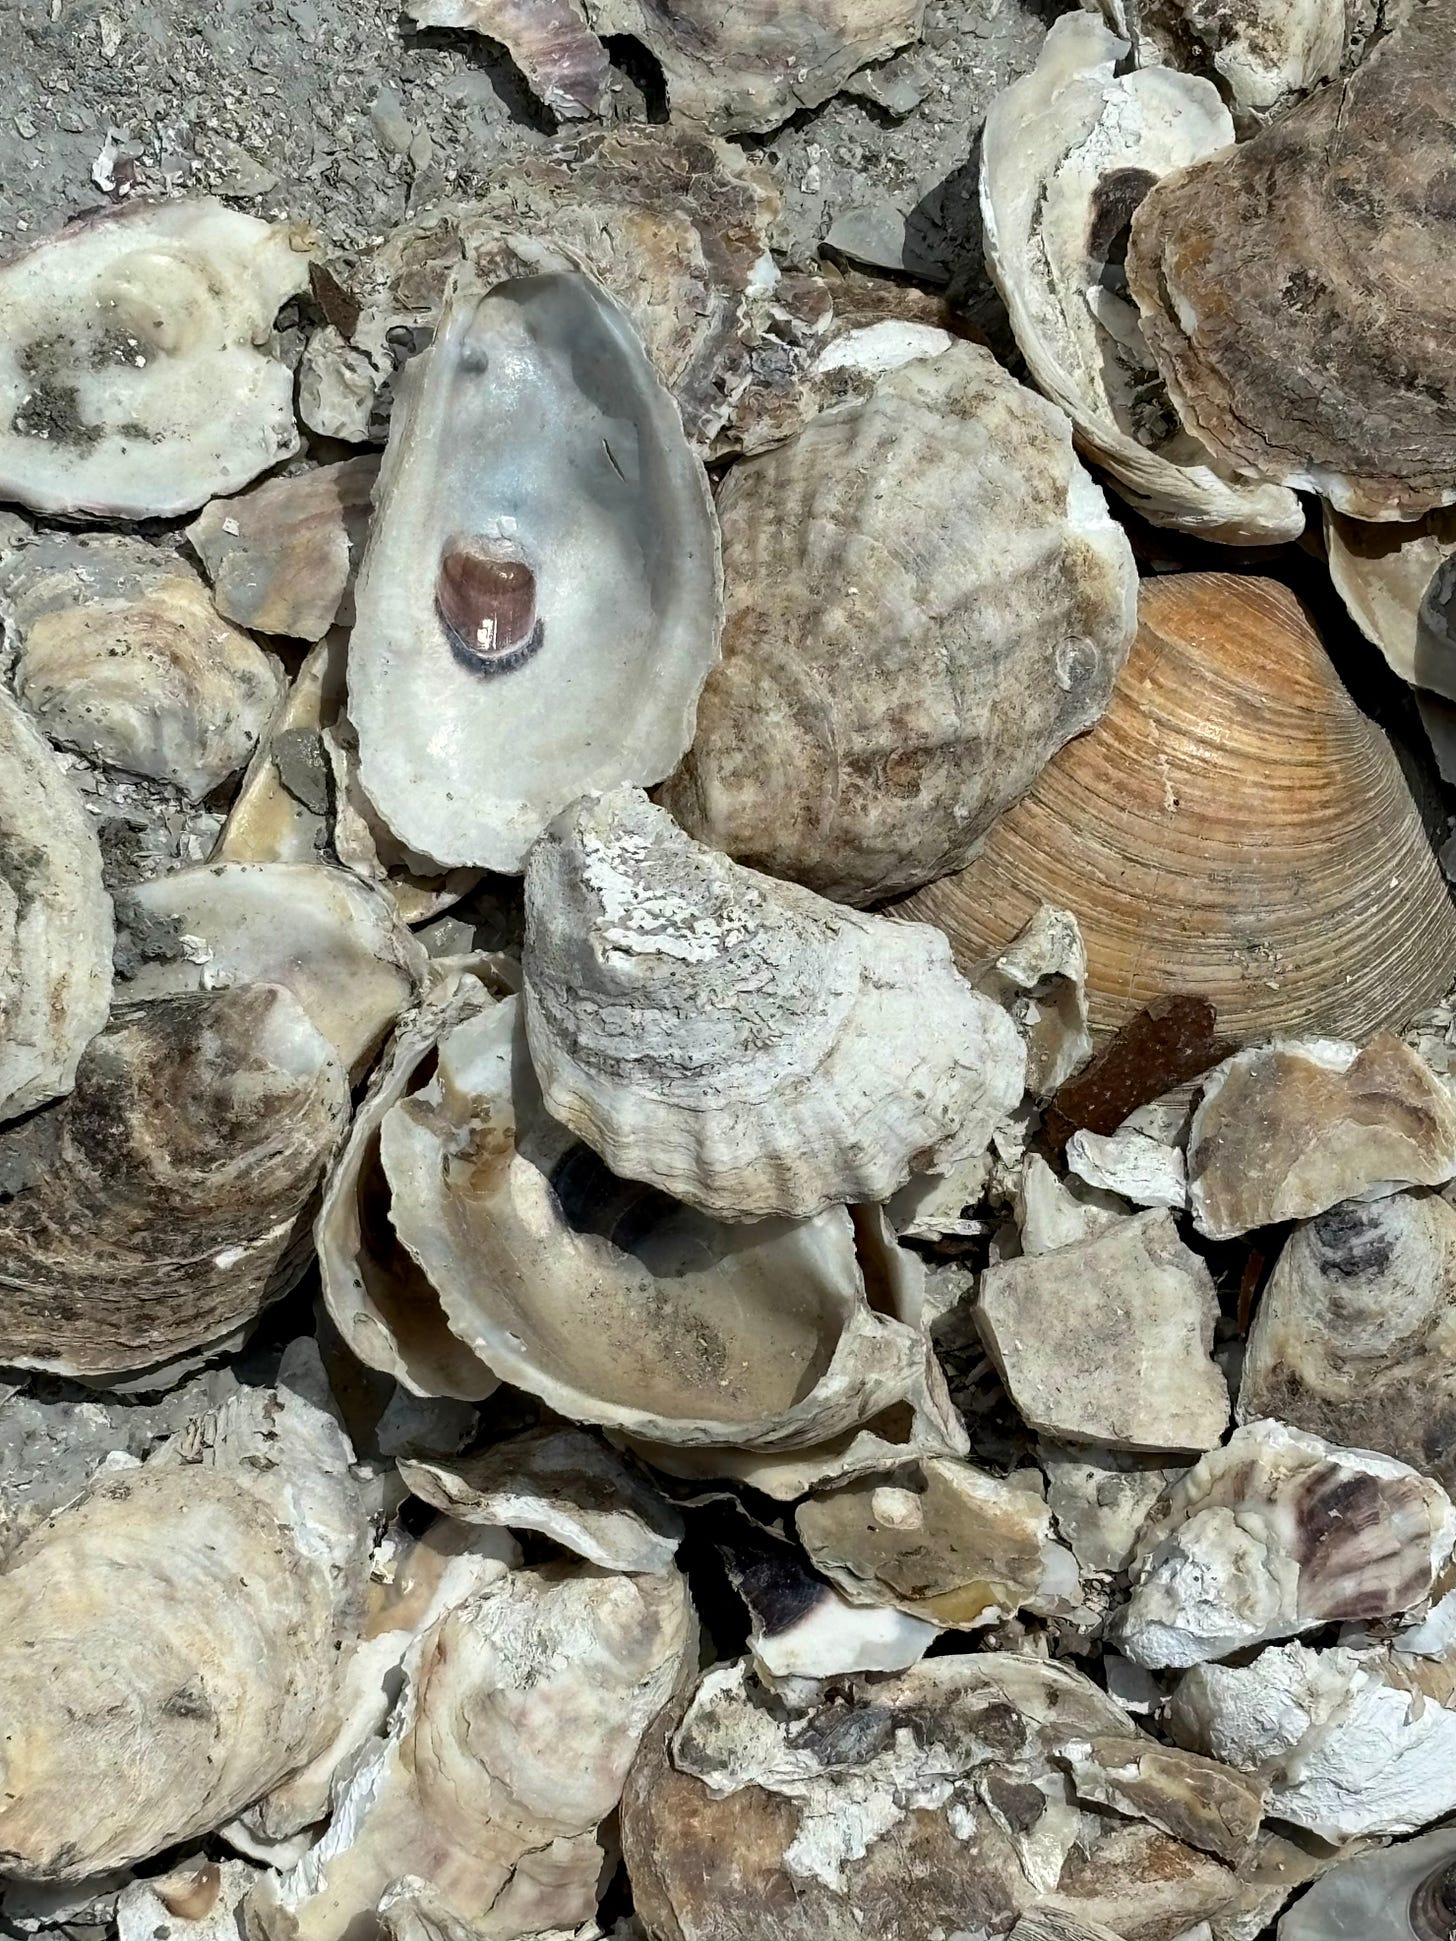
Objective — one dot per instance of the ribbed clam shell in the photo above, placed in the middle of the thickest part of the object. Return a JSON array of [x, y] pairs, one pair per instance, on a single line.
[[925, 597], [1234, 827], [1297, 290]]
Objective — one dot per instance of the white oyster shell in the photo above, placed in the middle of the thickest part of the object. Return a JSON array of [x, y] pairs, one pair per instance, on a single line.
[[171, 1643], [324, 935], [1401, 591], [121, 655], [135, 374], [802, 1627], [742, 1043], [1041, 978], [1261, 53], [1067, 154], [1401, 1893], [534, 436], [1278, 1533], [55, 921], [163, 1203]]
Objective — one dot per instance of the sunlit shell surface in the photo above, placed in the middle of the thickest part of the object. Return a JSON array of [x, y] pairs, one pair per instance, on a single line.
[[55, 921], [166, 1200], [741, 1043], [1233, 827], [170, 1643], [136, 378], [549, 41], [121, 655], [1297, 290], [1068, 153], [1262, 54], [538, 604], [281, 811], [925, 598]]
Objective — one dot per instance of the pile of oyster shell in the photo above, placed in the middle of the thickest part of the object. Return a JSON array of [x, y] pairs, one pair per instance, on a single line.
[[821, 1125]]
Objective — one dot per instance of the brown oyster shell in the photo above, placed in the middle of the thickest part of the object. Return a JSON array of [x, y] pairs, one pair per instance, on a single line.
[[1297, 290], [1234, 827]]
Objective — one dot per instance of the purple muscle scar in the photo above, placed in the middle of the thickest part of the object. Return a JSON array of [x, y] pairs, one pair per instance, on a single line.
[[485, 595]]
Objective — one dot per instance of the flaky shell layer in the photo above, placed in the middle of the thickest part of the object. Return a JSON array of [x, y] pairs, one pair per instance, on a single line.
[[1234, 827], [925, 598], [55, 921], [742, 1043], [1297, 290], [165, 1202]]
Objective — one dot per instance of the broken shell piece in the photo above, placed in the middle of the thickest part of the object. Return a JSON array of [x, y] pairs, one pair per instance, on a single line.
[[1100, 1500], [568, 1486], [162, 1204], [801, 1627], [1291, 1129], [1274, 1534], [1045, 1924], [739, 1042], [893, 676], [561, 58], [1355, 1337], [1209, 1806], [524, 1709], [1349, 1742], [172, 1640], [374, 1290], [932, 1800], [55, 921], [120, 655], [364, 845], [1400, 1893], [1041, 979], [136, 379], [942, 1541], [543, 562], [1053, 1212], [196, 1901], [1301, 334], [281, 811], [549, 1268], [1109, 1340], [1400, 592], [1233, 829], [1261, 55], [319, 932], [1131, 1164], [1068, 153], [281, 558]]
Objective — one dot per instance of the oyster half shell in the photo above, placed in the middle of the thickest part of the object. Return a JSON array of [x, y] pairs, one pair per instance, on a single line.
[[538, 604], [135, 374]]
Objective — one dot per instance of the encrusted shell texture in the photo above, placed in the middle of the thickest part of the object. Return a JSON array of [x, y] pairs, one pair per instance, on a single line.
[[741, 1043], [55, 921], [1263, 54], [1068, 152], [166, 1201], [1234, 827], [135, 375], [1297, 290], [538, 605], [925, 598]]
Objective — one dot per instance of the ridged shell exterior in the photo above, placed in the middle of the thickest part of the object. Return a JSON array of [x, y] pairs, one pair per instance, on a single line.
[[925, 597], [740, 1043], [164, 1202], [1297, 291], [1234, 828]]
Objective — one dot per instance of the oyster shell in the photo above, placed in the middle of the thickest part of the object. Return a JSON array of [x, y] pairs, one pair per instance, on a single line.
[[136, 379], [1401, 1893], [801, 1627], [543, 562], [281, 557], [934, 1800], [549, 40], [925, 598], [320, 932], [1301, 328], [281, 811], [1354, 1335], [196, 1901], [162, 1203], [1233, 828], [525, 1706], [1262, 54], [1401, 591], [1110, 1339], [171, 1642], [568, 1486], [1041, 979], [739, 1042], [1130, 1163], [1276, 1533], [1290, 1130], [1067, 154], [55, 921], [614, 1304], [120, 655]]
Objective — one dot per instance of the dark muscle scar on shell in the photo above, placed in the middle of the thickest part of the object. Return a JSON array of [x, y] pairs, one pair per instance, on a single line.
[[485, 595]]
